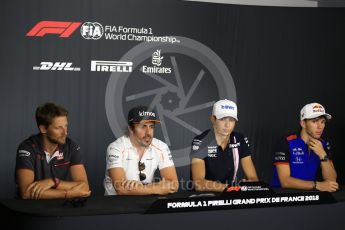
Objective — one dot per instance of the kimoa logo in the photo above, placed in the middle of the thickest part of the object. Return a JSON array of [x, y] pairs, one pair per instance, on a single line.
[[146, 113]]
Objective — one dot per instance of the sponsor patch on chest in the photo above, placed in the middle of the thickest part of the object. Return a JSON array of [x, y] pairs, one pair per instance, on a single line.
[[236, 145], [212, 149], [297, 160], [212, 155], [297, 151], [59, 156]]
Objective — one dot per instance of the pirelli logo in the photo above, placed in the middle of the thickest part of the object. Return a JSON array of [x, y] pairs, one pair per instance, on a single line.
[[111, 66]]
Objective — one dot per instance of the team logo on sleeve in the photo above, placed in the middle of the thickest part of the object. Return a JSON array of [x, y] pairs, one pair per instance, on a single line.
[[246, 141], [113, 158], [170, 156], [195, 147], [280, 156], [196, 144], [23, 153]]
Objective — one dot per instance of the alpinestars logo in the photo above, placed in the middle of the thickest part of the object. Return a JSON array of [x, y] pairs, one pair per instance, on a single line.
[[64, 29], [67, 66]]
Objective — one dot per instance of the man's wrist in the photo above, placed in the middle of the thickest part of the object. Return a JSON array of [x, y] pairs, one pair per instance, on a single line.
[[226, 188], [314, 186], [56, 182], [324, 158]]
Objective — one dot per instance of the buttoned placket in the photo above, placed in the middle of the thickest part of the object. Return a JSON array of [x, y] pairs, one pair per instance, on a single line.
[[142, 159]]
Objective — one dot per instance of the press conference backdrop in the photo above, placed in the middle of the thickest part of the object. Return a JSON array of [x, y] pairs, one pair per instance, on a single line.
[[100, 58]]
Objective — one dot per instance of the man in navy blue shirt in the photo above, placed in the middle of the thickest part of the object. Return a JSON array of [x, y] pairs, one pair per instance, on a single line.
[[217, 152], [46, 160], [299, 157]]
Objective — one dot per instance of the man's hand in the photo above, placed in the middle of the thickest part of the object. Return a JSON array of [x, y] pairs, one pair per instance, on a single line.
[[327, 186], [317, 147], [166, 187], [78, 191], [37, 188]]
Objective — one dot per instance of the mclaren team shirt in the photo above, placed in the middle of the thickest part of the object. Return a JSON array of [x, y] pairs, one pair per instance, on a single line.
[[121, 153], [304, 163]]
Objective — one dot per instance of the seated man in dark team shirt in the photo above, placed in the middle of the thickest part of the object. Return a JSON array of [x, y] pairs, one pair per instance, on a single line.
[[45, 160], [299, 157], [216, 153]]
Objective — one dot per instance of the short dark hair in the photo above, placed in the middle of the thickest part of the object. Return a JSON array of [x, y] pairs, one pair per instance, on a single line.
[[126, 130], [47, 112]]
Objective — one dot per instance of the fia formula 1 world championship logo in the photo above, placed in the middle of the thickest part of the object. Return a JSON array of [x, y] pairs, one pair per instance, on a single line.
[[183, 99], [88, 30]]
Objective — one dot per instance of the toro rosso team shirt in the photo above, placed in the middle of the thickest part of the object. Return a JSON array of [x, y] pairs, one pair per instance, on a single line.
[[121, 153], [220, 165], [304, 163], [30, 155]]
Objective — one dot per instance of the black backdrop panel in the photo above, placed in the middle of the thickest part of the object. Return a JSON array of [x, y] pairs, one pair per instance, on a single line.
[[270, 60]]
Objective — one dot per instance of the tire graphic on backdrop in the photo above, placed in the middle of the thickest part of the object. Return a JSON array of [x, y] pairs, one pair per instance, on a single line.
[[183, 98]]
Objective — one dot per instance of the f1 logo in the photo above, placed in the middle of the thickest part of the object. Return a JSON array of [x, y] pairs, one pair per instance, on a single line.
[[65, 29]]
